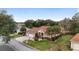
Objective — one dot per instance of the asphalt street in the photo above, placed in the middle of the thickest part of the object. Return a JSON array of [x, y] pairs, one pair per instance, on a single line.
[[6, 48], [16, 45], [19, 46]]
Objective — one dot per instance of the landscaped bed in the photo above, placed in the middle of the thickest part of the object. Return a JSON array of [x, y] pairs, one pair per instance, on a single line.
[[64, 42], [60, 44]]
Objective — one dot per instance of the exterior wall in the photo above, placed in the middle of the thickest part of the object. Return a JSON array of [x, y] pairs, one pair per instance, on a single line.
[[30, 35], [75, 45]]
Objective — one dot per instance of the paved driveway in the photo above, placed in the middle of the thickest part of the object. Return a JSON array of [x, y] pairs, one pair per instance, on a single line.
[[21, 39]]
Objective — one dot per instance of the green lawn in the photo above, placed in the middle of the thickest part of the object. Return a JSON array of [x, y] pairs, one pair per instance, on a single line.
[[59, 44], [41, 45]]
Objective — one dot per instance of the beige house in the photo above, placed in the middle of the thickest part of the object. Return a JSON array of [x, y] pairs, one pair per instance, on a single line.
[[75, 42], [31, 32]]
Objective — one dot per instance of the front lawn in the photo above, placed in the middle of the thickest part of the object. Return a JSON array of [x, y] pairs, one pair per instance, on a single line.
[[41, 45], [60, 44]]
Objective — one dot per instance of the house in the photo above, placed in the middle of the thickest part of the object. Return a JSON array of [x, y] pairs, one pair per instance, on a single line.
[[19, 26], [75, 42], [41, 30]]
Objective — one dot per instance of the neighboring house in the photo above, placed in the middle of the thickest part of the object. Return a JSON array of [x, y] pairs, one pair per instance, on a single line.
[[75, 42], [19, 26], [31, 32]]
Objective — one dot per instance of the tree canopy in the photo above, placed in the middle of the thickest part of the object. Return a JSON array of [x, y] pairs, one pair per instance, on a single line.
[[53, 30], [39, 22], [71, 25], [7, 24]]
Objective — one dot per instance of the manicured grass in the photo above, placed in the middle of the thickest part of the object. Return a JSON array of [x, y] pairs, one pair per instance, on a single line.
[[41, 45], [60, 44]]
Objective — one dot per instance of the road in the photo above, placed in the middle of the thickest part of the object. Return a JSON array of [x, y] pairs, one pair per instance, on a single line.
[[20, 47], [5, 47], [17, 45]]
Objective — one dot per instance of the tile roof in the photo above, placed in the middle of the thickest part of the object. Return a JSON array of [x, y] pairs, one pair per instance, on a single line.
[[36, 29], [76, 37]]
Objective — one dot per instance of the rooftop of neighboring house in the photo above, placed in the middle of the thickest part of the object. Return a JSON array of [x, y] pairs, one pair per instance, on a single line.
[[37, 29], [76, 37]]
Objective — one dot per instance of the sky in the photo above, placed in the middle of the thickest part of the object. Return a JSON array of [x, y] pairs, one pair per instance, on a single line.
[[56, 14]]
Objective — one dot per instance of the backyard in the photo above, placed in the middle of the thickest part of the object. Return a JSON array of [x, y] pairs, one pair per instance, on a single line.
[[60, 44]]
